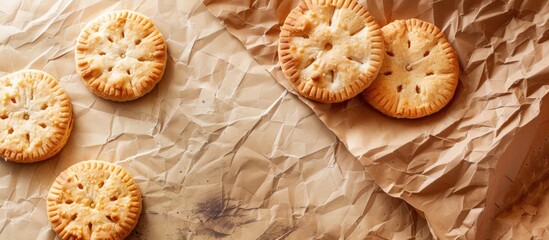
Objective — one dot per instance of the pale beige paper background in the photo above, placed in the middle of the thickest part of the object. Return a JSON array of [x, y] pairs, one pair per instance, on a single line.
[[218, 148], [456, 166]]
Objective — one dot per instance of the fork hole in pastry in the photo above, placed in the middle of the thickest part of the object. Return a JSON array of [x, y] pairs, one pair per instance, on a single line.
[[122, 34], [141, 59], [109, 38], [426, 53], [110, 69], [74, 216], [315, 77], [92, 204], [112, 218], [68, 201], [302, 35], [332, 75], [137, 42], [355, 59], [26, 116], [101, 184], [102, 53], [399, 88], [418, 90], [123, 55], [391, 54], [13, 100], [27, 136], [90, 226], [3, 116], [43, 125], [80, 186], [389, 73], [409, 44], [44, 106], [128, 71], [429, 73], [328, 46], [10, 131], [114, 198]]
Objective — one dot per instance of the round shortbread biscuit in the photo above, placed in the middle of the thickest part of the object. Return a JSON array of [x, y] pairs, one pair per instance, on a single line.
[[419, 74], [330, 50], [35, 116], [121, 55], [94, 200]]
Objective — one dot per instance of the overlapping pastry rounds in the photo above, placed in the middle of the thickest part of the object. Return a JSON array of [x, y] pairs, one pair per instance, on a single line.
[[121, 55], [330, 50], [419, 74], [35, 116], [94, 200]]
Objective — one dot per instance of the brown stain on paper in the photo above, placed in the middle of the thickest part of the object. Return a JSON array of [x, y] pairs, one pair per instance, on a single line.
[[524, 208], [219, 219]]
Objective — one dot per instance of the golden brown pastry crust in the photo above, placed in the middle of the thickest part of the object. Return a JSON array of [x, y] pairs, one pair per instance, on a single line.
[[419, 74], [35, 116], [121, 55], [94, 200], [330, 50]]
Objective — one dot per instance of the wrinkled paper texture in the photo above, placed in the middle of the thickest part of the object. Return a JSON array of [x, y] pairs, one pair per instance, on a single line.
[[456, 166], [219, 149], [525, 206]]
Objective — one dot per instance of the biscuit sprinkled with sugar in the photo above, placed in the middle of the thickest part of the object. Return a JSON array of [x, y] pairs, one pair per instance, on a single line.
[[35, 116], [330, 51], [419, 74], [94, 200], [121, 55]]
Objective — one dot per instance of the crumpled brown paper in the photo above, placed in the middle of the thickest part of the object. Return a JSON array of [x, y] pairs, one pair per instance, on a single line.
[[525, 206], [456, 166], [218, 149]]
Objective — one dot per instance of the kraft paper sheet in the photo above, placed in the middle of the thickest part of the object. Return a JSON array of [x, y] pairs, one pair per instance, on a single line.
[[456, 167], [219, 149]]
